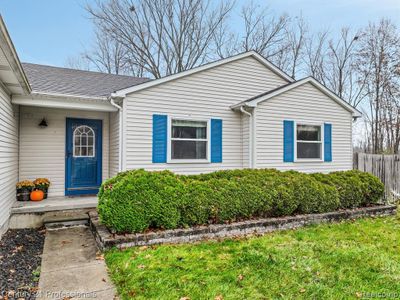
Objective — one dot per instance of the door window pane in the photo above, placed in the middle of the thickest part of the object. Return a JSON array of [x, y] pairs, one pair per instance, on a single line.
[[83, 141]]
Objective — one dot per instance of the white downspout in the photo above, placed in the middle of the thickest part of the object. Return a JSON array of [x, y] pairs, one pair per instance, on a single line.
[[120, 138], [251, 137]]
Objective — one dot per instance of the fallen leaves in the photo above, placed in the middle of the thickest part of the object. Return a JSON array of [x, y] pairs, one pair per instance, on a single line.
[[17, 249], [132, 293], [141, 266], [99, 256]]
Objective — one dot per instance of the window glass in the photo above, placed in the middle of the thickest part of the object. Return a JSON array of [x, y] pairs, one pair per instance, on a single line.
[[189, 129], [189, 150], [308, 150], [83, 141], [188, 139], [309, 145], [308, 133]]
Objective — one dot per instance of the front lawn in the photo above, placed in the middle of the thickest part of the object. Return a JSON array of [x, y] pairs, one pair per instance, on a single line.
[[332, 261]]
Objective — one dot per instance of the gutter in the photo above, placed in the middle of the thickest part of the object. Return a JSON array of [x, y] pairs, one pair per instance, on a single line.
[[120, 132], [251, 136]]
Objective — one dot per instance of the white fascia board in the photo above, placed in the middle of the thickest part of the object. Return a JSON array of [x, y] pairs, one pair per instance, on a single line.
[[64, 102], [122, 93], [315, 83], [11, 55]]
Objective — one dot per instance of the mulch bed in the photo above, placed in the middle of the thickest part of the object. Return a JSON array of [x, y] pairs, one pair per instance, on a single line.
[[20, 259]]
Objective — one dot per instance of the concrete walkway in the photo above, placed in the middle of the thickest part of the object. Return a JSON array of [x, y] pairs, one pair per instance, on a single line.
[[70, 268]]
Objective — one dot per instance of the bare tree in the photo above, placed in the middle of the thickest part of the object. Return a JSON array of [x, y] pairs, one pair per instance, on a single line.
[[162, 36], [108, 55], [379, 62], [315, 54], [333, 62], [78, 62], [341, 56], [261, 32], [296, 36]]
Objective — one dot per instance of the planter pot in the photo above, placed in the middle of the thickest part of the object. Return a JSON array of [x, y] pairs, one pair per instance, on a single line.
[[44, 190], [23, 194]]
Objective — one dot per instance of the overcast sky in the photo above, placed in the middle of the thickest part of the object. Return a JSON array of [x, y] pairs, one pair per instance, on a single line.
[[50, 31]]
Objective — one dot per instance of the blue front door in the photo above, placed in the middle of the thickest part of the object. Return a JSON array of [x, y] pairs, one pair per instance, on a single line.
[[83, 156]]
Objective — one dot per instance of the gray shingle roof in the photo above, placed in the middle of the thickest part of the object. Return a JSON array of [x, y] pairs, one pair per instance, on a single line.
[[48, 79]]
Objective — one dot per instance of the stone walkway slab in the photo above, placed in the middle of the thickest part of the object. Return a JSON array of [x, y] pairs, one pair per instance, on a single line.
[[71, 269]]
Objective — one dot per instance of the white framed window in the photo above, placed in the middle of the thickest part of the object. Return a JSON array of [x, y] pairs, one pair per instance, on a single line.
[[188, 140], [309, 142], [83, 141]]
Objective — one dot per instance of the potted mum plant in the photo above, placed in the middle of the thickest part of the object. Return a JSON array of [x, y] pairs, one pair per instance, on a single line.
[[24, 189], [43, 185]]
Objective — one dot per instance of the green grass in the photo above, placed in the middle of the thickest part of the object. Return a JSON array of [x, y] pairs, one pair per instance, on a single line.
[[332, 261]]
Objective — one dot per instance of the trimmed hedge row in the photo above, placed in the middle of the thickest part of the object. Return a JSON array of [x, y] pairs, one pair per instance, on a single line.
[[135, 201]]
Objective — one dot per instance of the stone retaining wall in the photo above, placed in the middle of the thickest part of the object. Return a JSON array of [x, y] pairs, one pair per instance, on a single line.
[[105, 239]]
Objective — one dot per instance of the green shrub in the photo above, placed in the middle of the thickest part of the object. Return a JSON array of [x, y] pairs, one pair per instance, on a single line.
[[135, 201], [313, 196], [355, 188], [139, 200]]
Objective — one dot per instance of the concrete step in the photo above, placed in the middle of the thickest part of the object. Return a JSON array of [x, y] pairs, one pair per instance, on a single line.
[[65, 219], [66, 224], [38, 219]]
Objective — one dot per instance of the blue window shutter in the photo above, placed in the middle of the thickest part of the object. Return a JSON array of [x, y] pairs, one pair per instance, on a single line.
[[288, 141], [327, 142], [160, 129], [216, 140]]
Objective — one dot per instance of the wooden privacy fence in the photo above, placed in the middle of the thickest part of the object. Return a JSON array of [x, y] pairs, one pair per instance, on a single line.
[[385, 167]]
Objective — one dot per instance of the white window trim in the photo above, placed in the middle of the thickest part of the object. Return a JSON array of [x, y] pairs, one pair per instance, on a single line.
[[169, 139], [73, 143], [321, 125]]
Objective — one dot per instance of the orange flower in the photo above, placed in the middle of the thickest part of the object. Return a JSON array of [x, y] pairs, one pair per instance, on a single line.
[[43, 182], [25, 184]]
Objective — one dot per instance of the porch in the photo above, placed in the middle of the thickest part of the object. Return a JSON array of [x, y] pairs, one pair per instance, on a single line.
[[58, 203], [59, 209]]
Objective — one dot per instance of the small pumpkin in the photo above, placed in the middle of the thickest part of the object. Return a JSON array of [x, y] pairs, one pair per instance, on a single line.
[[37, 195]]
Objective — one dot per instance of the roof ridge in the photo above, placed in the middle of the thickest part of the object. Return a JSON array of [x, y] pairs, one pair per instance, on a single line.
[[85, 71]]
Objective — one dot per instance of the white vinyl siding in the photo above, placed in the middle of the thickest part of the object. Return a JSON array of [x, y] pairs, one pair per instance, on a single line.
[[304, 105], [114, 143], [42, 150], [8, 157], [203, 95]]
